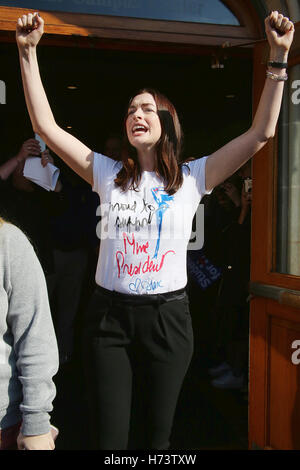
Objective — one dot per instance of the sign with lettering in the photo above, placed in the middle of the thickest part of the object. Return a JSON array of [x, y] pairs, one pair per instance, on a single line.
[[196, 11], [201, 269]]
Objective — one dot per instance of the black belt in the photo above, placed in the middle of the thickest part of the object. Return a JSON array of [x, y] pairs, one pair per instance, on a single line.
[[144, 298]]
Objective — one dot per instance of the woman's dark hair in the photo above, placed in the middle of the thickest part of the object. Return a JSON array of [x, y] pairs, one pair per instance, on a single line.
[[168, 149]]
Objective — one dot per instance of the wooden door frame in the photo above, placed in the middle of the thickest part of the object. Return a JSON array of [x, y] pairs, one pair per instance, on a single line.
[[275, 299], [264, 314], [264, 173], [136, 30]]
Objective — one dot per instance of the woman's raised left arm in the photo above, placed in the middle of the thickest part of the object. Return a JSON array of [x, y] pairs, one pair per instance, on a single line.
[[229, 158]]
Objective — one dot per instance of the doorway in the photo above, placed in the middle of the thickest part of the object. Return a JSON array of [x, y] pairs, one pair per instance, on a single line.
[[88, 90], [214, 105]]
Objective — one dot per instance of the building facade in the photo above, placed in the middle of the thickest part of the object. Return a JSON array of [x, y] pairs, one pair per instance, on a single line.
[[212, 53]]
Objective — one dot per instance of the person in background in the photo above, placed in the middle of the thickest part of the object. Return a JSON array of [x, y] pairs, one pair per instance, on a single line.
[[113, 146], [50, 219], [74, 244], [8, 209], [29, 148], [33, 208], [28, 348], [231, 308]]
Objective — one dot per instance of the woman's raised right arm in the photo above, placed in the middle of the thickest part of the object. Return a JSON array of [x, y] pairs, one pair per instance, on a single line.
[[75, 154]]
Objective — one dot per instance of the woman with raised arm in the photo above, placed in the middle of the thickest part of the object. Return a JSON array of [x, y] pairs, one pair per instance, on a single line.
[[138, 320]]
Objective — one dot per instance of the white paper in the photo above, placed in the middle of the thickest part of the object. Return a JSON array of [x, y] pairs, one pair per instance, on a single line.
[[46, 176], [41, 142]]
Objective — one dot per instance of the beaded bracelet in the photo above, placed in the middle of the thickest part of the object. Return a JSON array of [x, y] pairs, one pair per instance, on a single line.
[[277, 78]]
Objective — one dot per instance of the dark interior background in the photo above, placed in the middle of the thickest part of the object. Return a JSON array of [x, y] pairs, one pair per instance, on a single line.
[[107, 79], [214, 106]]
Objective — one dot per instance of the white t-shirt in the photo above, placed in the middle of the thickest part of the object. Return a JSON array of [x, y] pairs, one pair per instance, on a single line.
[[145, 233]]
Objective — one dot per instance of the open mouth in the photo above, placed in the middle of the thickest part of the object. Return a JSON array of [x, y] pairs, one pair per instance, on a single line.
[[139, 129]]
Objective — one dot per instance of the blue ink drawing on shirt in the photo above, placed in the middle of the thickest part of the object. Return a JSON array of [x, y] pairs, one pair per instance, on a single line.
[[147, 285], [162, 207]]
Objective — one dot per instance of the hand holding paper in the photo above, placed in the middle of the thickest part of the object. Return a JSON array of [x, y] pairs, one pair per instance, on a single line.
[[44, 176]]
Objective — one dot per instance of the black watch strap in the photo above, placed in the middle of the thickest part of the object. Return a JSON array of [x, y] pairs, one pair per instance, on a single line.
[[278, 65]]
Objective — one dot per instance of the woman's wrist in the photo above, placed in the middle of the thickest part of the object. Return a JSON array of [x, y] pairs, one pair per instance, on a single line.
[[278, 58], [27, 52], [279, 55]]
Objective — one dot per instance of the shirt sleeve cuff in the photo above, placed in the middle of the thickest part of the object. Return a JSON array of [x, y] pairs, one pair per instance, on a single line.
[[204, 179], [35, 424], [95, 178]]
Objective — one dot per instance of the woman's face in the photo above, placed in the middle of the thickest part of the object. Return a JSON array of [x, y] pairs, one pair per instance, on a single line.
[[142, 124]]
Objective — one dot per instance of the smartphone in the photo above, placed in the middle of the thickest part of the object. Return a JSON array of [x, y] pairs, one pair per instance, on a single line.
[[41, 142], [248, 185]]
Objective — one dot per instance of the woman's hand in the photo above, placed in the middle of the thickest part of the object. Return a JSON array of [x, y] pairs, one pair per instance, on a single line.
[[40, 442], [30, 29], [280, 33]]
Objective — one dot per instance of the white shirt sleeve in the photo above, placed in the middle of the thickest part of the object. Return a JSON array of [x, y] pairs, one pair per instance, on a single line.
[[197, 171], [104, 168]]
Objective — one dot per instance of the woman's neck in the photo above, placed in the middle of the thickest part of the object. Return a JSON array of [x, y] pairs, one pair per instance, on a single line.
[[147, 159]]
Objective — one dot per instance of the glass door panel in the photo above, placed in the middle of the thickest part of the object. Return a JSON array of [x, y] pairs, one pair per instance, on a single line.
[[288, 180]]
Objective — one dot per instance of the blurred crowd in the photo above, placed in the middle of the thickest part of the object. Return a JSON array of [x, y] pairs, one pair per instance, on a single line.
[[222, 271], [61, 224]]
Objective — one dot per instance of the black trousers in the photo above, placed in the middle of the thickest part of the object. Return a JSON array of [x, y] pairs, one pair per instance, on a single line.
[[137, 346]]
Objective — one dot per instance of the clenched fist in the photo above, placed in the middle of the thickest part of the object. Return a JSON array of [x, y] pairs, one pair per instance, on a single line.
[[279, 31], [30, 29]]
